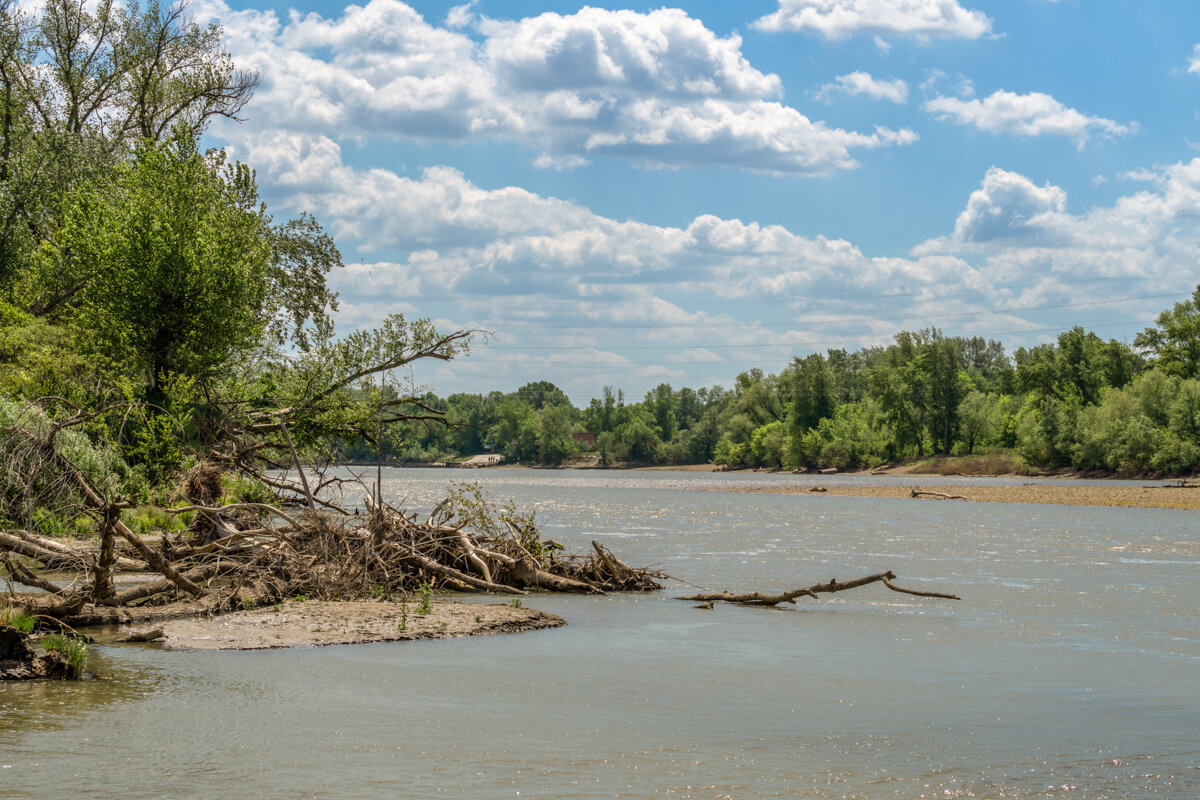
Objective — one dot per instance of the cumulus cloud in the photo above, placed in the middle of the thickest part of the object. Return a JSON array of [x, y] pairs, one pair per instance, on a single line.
[[659, 88], [1033, 114], [1194, 61], [1011, 209], [836, 19], [863, 83], [568, 290], [1017, 231]]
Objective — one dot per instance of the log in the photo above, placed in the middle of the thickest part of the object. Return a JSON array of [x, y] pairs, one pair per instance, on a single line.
[[56, 555], [761, 599], [472, 556], [470, 580], [938, 495], [203, 573], [528, 574], [28, 549], [152, 635]]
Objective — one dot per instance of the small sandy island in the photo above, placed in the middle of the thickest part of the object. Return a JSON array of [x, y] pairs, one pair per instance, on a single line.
[[315, 623]]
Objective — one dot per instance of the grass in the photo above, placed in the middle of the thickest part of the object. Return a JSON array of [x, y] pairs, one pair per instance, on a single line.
[[72, 649], [150, 518], [426, 604], [21, 620], [515, 602]]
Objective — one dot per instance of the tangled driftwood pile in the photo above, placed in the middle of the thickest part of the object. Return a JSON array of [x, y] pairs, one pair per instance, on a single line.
[[242, 555]]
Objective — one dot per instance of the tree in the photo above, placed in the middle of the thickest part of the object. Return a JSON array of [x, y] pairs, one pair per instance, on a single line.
[[81, 87], [1174, 342], [175, 256], [980, 419]]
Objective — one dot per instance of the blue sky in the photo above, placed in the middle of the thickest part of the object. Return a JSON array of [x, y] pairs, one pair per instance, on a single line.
[[630, 195]]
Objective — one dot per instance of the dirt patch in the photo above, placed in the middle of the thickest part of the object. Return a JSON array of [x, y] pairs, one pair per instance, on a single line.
[[317, 623], [1156, 496]]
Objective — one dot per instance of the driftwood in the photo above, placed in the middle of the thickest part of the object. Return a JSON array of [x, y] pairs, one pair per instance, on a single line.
[[56, 555], [761, 599], [937, 495], [152, 635]]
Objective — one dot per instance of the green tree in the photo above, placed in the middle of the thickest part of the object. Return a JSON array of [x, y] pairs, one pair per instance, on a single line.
[[1174, 341], [177, 255]]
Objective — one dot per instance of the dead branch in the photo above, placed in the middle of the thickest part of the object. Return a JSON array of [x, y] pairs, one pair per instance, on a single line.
[[287, 437], [761, 599], [233, 507]]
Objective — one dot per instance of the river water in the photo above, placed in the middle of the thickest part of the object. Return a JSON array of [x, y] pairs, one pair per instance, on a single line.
[[1070, 669]]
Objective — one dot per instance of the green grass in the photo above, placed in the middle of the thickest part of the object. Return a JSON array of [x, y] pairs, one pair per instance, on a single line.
[[145, 520], [72, 649], [426, 604], [515, 602], [21, 620]]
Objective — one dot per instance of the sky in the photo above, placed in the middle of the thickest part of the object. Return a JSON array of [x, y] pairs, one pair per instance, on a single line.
[[629, 195]]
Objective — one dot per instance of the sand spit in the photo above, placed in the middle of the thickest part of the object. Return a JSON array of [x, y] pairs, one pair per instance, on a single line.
[[316, 623], [1149, 496]]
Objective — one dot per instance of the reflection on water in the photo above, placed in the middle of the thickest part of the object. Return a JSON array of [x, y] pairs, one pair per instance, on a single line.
[[1069, 670], [28, 706]]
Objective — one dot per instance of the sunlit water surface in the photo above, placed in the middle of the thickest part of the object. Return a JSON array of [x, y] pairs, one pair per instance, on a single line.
[[1071, 669]]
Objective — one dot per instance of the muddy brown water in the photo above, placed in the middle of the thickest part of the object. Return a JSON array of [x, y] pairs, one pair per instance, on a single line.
[[1070, 669]]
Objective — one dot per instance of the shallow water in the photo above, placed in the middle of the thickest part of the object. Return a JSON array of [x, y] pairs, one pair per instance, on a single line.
[[1070, 669]]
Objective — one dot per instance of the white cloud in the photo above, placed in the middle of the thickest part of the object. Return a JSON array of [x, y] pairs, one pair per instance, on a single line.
[[461, 16], [1008, 208], [547, 273], [836, 19], [863, 83], [1033, 114], [1015, 230], [1194, 61], [658, 88]]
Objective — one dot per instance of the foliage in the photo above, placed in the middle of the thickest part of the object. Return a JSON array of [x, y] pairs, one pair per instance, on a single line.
[[70, 648], [16, 618], [174, 256]]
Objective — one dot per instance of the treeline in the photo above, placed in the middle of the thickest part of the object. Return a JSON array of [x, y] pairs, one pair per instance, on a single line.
[[1078, 402]]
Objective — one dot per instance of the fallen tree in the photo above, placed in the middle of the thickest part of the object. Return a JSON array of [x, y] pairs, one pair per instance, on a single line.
[[833, 585]]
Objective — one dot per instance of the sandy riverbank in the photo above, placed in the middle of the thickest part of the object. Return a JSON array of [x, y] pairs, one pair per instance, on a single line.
[[316, 623], [1149, 496]]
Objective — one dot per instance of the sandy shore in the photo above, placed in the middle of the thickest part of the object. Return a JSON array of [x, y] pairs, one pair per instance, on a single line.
[[1149, 496], [316, 623]]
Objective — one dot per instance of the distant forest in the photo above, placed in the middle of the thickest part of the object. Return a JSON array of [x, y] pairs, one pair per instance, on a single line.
[[1078, 402]]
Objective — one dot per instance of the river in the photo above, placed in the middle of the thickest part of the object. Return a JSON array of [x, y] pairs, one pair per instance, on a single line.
[[1070, 669]]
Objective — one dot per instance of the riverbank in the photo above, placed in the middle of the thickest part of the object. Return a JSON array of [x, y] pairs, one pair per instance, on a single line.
[[317, 623], [1150, 496]]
